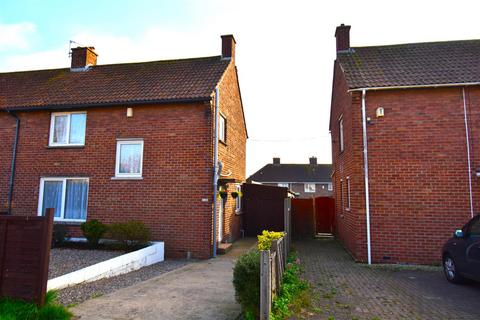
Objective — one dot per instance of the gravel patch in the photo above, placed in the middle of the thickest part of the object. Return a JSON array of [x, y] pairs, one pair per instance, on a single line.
[[63, 261], [82, 292]]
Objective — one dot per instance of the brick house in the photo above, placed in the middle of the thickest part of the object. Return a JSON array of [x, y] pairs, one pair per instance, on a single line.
[[305, 180], [132, 141], [405, 130]]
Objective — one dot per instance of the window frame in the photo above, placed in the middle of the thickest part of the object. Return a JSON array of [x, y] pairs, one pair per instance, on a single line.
[[64, 197], [51, 143], [309, 184], [224, 131], [238, 200], [121, 142], [348, 194], [341, 134]]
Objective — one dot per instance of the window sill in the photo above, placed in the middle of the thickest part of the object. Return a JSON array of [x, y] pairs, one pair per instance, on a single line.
[[127, 178], [65, 147], [68, 223]]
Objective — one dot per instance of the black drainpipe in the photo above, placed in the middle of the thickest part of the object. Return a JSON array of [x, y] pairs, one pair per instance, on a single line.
[[14, 158]]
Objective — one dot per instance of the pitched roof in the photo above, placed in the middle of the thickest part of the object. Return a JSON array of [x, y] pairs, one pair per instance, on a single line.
[[415, 64], [293, 173], [144, 82]]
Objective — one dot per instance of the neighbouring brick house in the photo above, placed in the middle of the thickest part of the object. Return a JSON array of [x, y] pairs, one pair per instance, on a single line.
[[132, 141], [405, 126], [305, 180]]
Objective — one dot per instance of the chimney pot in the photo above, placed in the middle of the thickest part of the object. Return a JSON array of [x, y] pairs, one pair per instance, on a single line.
[[82, 57], [313, 160], [342, 35], [276, 160], [228, 46]]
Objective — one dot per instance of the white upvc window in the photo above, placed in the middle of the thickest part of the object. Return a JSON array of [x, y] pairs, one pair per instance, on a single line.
[[330, 186], [340, 129], [222, 128], [67, 129], [309, 187], [68, 196], [283, 184], [129, 161], [238, 199], [348, 193]]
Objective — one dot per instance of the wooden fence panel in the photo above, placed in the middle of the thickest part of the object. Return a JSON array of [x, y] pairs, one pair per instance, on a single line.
[[24, 256], [272, 267]]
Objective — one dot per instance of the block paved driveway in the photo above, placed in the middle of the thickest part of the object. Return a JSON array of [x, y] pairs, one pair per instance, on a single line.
[[347, 290]]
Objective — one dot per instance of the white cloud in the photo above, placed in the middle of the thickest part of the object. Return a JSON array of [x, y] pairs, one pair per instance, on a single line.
[[15, 36]]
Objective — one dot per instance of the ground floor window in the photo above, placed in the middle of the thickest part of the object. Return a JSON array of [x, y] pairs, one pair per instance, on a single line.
[[238, 199], [68, 196]]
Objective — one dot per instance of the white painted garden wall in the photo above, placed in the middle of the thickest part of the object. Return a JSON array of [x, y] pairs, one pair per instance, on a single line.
[[110, 268]]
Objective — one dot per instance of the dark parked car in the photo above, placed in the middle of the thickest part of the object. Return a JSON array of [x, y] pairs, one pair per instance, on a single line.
[[461, 254]]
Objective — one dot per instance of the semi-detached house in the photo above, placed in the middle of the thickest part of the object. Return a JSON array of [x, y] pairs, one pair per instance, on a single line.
[[405, 127], [132, 141]]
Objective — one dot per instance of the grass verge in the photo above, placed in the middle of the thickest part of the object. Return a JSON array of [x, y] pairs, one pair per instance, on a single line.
[[294, 297]]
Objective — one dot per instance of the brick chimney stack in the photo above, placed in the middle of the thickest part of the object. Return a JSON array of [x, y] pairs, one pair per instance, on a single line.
[[342, 34], [276, 160], [82, 57], [313, 160], [228, 47]]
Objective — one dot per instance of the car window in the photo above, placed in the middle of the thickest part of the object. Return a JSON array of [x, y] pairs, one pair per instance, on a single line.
[[474, 228]]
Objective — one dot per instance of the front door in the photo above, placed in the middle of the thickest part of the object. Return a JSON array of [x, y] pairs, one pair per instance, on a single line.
[[220, 220]]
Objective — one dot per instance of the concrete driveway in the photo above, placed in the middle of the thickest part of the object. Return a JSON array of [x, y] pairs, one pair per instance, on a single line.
[[201, 290], [348, 290]]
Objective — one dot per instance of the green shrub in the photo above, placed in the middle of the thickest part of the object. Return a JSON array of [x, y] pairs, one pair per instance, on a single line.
[[266, 238], [246, 280], [59, 235], [11, 309], [93, 231], [131, 234]]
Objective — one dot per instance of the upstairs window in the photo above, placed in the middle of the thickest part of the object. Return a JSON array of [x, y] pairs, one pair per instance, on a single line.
[[309, 187], [222, 129], [68, 129], [129, 159], [340, 133]]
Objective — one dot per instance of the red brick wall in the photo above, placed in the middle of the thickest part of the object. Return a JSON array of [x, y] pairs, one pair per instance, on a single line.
[[349, 163], [417, 170], [177, 170], [233, 152]]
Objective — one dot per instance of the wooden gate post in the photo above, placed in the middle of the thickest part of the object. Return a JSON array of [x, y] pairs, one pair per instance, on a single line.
[[265, 285], [287, 216]]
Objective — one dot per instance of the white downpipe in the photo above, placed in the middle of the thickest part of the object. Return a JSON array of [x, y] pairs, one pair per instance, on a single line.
[[215, 172], [365, 162], [468, 151]]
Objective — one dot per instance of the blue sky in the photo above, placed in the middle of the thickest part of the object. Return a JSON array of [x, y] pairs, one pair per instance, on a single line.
[[58, 21], [285, 49]]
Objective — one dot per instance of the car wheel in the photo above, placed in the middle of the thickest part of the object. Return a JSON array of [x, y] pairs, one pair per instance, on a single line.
[[451, 271]]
